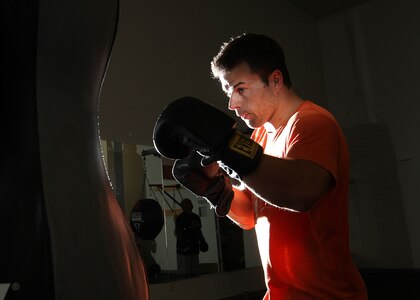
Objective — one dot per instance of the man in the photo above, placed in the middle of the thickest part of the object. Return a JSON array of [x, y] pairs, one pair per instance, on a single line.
[[293, 172], [297, 196], [189, 236]]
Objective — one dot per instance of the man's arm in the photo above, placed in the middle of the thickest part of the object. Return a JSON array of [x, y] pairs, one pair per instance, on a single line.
[[293, 184], [241, 209]]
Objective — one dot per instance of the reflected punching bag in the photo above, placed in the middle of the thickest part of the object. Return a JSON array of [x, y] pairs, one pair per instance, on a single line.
[[146, 219], [64, 236]]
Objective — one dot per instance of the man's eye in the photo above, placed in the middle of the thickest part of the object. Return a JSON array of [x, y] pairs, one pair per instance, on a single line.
[[240, 90]]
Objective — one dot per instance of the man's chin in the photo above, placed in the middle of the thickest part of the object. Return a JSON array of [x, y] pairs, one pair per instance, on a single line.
[[251, 124]]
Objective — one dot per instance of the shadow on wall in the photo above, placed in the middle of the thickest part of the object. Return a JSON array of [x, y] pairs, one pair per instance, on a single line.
[[378, 230]]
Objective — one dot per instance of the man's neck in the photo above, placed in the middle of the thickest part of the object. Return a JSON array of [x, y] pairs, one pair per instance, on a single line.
[[289, 102]]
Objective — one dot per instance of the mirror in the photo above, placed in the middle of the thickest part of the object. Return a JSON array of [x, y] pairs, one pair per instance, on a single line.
[[138, 175]]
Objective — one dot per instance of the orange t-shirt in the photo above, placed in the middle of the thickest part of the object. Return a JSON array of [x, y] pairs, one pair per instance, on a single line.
[[305, 255]]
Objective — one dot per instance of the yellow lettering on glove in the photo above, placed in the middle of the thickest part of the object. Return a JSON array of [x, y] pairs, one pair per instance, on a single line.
[[243, 145]]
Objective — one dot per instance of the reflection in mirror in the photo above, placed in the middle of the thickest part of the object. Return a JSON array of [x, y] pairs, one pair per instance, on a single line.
[[146, 191]]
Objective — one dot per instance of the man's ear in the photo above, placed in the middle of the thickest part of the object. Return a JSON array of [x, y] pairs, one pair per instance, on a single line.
[[276, 78]]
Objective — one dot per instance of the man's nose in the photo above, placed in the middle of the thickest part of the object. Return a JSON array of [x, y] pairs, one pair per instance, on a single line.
[[233, 102]]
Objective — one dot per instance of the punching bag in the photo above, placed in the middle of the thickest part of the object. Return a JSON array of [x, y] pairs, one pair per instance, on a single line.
[[63, 233], [146, 219]]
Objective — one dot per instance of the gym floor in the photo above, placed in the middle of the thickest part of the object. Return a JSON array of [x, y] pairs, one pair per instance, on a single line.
[[382, 284]]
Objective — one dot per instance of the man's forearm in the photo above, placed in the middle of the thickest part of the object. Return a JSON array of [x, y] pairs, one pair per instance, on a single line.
[[292, 184], [241, 210]]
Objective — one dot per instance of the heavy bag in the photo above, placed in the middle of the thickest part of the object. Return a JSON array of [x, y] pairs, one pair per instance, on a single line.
[[146, 219]]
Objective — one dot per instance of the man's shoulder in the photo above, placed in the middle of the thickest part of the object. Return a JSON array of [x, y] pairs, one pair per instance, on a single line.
[[309, 108]]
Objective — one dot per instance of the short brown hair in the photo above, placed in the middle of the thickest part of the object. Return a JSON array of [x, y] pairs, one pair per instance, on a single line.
[[260, 52]]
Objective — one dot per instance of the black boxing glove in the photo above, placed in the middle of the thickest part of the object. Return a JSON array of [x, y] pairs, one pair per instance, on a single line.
[[188, 124], [208, 182]]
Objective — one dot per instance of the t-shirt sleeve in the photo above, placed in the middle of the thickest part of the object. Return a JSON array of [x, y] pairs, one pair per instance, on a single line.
[[315, 137]]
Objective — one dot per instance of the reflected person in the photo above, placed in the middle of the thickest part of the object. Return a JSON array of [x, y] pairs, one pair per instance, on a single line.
[[189, 239]]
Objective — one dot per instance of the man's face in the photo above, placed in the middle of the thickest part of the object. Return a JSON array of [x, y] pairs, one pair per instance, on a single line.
[[250, 98]]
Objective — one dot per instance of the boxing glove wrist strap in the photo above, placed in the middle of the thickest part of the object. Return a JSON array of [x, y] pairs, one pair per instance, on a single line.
[[241, 156]]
